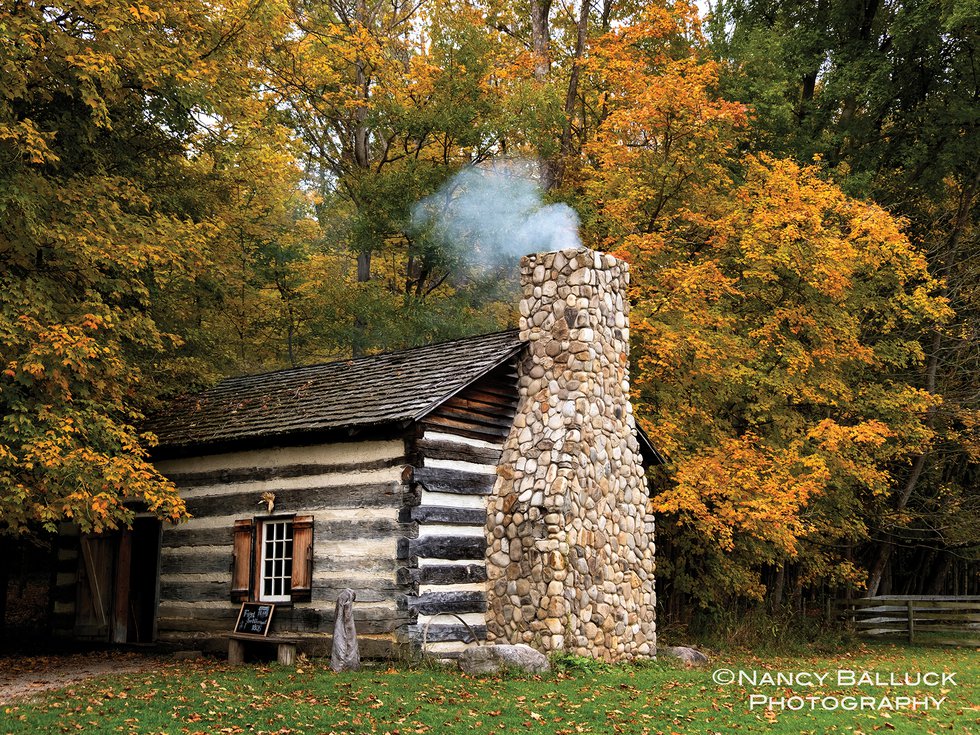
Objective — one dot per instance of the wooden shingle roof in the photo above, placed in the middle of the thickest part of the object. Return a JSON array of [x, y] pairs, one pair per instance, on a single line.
[[352, 394]]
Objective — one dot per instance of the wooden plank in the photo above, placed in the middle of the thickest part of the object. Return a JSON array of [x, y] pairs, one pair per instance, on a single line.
[[228, 476], [367, 590], [445, 514], [484, 409], [438, 480], [438, 449], [301, 500], [433, 603], [441, 633], [222, 627], [945, 627], [494, 394], [284, 613], [214, 563], [195, 591], [382, 647], [436, 422], [962, 617], [169, 626], [444, 574], [472, 414], [968, 602], [443, 547]]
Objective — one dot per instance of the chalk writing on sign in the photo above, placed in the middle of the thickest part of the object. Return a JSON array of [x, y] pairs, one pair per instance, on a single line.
[[254, 618]]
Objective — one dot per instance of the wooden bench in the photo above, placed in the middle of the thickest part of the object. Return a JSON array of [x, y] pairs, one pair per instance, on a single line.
[[238, 641]]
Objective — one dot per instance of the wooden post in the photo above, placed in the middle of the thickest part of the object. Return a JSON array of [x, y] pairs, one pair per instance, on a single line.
[[910, 608], [236, 651], [287, 654]]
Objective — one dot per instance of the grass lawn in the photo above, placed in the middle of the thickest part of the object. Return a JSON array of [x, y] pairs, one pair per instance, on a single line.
[[210, 697]]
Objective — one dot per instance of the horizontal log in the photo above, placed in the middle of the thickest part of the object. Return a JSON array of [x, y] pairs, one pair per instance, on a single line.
[[442, 633], [62, 622], [885, 631], [366, 590], [66, 593], [494, 394], [947, 607], [211, 563], [464, 428], [949, 617], [443, 547], [301, 499], [445, 514], [66, 566], [195, 591], [263, 474], [433, 603], [923, 601], [472, 414], [382, 647], [301, 619], [196, 563], [444, 574], [438, 480], [931, 626], [879, 622], [175, 538], [918, 615], [438, 449]]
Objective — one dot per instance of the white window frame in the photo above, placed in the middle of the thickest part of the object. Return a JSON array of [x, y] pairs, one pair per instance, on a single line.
[[267, 526]]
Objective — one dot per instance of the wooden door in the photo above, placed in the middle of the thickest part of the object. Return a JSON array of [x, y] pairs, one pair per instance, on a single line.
[[97, 562]]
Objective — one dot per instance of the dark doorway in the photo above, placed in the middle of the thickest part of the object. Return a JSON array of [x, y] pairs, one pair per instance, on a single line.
[[143, 581], [118, 584]]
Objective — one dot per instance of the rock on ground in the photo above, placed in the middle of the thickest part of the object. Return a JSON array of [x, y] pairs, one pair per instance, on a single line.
[[690, 656], [491, 659]]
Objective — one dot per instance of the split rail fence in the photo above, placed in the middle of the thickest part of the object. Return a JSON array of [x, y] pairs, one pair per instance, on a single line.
[[918, 618]]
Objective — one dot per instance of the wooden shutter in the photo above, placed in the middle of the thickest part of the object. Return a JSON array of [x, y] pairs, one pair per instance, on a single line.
[[302, 583], [241, 565]]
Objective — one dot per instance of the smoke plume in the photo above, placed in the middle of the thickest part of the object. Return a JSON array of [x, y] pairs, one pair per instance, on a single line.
[[489, 215]]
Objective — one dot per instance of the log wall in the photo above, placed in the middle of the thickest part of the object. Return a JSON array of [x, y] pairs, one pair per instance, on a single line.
[[355, 493], [456, 454]]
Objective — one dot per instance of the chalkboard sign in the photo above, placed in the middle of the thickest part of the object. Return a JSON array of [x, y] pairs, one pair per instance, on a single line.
[[254, 618]]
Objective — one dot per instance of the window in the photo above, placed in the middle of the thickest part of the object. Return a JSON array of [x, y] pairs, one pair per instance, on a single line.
[[273, 559], [276, 565]]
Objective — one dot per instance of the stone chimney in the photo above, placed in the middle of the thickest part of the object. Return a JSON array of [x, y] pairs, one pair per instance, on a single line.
[[570, 557]]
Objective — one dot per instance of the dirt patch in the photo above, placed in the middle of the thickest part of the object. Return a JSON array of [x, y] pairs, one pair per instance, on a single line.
[[25, 677]]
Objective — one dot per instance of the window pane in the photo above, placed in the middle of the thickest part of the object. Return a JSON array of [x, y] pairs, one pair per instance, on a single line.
[[277, 554]]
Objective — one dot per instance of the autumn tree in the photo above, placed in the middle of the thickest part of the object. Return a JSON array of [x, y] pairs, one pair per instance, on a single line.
[[390, 100], [771, 315], [886, 94], [114, 122]]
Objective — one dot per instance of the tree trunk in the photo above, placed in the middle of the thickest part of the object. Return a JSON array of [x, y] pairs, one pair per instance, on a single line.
[[778, 587], [572, 92], [541, 46], [939, 573], [541, 38]]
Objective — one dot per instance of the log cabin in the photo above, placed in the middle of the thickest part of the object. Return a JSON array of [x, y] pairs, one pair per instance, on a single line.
[[484, 489]]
